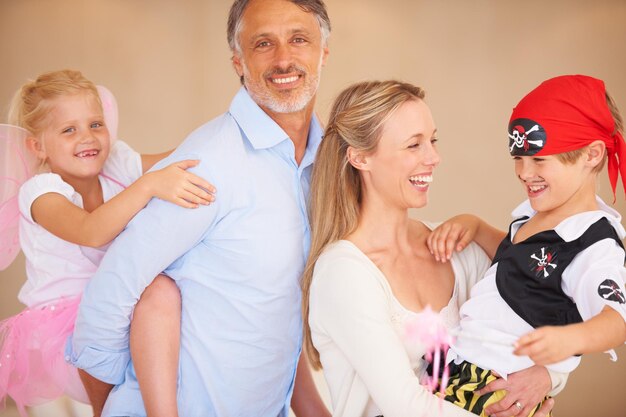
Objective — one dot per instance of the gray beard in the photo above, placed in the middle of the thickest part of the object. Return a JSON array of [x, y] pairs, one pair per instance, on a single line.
[[288, 105]]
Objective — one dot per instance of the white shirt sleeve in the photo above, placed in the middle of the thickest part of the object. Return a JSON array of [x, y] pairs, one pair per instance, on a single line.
[[596, 278], [473, 263], [39, 185], [351, 307], [123, 164]]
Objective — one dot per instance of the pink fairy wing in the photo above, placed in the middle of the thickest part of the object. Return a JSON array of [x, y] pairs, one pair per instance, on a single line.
[[109, 107], [17, 165]]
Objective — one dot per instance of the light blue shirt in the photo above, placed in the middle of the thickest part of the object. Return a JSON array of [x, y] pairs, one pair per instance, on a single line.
[[237, 263]]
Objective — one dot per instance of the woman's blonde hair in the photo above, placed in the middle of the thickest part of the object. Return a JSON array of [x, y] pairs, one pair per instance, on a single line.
[[32, 103], [356, 120]]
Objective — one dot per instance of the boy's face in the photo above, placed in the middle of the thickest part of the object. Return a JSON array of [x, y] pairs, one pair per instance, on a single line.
[[553, 186]]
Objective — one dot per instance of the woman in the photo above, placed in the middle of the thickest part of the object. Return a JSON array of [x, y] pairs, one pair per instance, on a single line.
[[369, 270]]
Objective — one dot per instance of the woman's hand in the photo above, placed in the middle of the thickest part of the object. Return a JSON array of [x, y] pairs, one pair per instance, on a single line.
[[176, 185], [453, 234], [525, 389]]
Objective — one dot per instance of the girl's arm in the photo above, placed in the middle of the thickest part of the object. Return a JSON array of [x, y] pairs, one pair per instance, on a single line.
[[458, 231], [173, 183]]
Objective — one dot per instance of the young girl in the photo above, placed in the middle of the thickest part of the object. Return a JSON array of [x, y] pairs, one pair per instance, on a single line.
[[92, 189]]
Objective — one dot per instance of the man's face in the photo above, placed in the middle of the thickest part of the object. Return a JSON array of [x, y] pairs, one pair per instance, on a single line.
[[281, 55]]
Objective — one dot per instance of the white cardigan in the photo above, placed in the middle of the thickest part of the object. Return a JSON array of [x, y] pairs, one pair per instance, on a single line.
[[351, 302]]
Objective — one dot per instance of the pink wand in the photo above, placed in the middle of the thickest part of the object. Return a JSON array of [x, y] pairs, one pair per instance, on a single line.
[[428, 329]]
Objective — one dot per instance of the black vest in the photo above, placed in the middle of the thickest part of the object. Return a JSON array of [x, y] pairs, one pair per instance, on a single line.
[[529, 273]]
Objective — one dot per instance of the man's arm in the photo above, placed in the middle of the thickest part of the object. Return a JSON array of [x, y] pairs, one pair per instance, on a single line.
[[158, 235], [306, 400]]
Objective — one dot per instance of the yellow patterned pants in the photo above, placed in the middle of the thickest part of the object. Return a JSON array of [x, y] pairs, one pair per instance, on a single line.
[[466, 378]]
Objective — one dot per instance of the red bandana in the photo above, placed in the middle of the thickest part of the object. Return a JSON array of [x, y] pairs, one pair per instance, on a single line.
[[564, 114]]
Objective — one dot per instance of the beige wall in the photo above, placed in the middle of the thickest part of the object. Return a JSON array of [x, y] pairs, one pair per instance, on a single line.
[[168, 64]]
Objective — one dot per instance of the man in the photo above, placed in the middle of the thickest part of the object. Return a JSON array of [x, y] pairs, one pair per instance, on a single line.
[[238, 261]]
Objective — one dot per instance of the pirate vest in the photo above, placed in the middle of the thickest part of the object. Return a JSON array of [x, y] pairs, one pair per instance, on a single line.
[[529, 273]]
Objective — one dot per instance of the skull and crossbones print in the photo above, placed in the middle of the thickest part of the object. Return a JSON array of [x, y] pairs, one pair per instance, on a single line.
[[543, 262], [610, 290], [522, 134], [520, 138]]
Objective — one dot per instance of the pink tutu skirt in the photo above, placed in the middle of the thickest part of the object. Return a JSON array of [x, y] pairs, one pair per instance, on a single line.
[[32, 345]]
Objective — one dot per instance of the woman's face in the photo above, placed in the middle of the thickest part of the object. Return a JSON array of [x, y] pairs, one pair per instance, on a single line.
[[401, 169]]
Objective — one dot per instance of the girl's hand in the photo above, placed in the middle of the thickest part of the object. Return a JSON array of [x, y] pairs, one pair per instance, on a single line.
[[453, 234], [524, 390], [176, 185]]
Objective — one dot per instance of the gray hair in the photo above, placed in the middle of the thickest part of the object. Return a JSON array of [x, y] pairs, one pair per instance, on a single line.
[[317, 7]]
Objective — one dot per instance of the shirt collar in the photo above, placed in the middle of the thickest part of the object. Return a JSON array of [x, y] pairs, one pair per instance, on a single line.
[[257, 126], [260, 129], [574, 226], [316, 132]]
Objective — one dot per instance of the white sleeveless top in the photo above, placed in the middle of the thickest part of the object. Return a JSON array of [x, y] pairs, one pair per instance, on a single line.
[[56, 268]]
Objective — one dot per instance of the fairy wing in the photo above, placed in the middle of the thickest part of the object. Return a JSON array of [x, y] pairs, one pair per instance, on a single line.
[[109, 108], [17, 165]]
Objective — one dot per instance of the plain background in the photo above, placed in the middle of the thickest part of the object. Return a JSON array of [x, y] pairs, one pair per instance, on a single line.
[[168, 64]]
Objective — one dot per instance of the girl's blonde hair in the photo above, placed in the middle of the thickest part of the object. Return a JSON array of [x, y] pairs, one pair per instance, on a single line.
[[32, 103], [356, 120]]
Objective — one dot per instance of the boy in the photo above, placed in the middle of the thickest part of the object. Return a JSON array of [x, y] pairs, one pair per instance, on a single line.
[[560, 270]]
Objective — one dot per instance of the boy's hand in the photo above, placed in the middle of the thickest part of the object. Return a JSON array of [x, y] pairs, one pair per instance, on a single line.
[[453, 234], [176, 185], [548, 344]]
